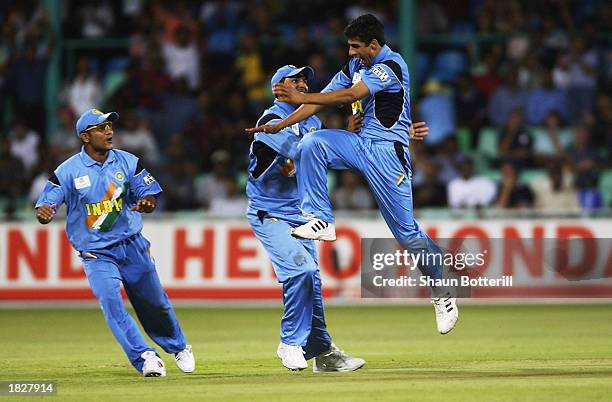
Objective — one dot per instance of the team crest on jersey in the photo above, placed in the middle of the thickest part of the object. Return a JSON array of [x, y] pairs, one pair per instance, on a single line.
[[119, 176], [380, 73], [312, 129], [149, 179]]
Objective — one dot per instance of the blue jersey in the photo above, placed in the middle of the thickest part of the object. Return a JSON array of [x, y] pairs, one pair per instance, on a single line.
[[98, 197], [271, 185], [386, 110]]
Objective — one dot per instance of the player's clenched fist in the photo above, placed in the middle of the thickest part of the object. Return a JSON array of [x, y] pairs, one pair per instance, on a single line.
[[146, 205], [45, 213]]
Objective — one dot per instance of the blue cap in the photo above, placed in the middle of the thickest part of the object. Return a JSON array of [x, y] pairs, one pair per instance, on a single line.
[[290, 71], [93, 117]]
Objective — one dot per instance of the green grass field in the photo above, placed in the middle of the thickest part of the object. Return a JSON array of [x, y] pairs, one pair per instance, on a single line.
[[526, 352]]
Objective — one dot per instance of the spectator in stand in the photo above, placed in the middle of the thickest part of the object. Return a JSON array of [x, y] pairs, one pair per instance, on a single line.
[[513, 194], [26, 80], [24, 146], [583, 78], [550, 140], [505, 99], [469, 191], [252, 76], [12, 173], [63, 143], [431, 191], [437, 109], [584, 158], [470, 104], [352, 194], [516, 143], [181, 58], [590, 198], [447, 157], [214, 185], [232, 204], [97, 19], [555, 191], [84, 92], [542, 101], [135, 136]]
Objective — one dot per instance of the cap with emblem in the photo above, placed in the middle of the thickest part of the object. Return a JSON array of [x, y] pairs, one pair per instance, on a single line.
[[93, 117], [291, 71]]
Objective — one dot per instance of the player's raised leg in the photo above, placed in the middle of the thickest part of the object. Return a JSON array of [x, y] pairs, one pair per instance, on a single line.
[[319, 151], [151, 303]]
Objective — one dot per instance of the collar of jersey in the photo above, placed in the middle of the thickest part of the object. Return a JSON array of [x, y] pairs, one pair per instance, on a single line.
[[88, 161], [284, 106], [384, 51]]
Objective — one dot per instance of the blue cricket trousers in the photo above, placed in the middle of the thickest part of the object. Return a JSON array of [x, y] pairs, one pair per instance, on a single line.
[[385, 166], [130, 263], [296, 267]]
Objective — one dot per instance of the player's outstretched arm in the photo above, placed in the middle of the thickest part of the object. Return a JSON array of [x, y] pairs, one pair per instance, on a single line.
[[146, 205], [45, 213], [289, 94], [301, 113], [418, 131]]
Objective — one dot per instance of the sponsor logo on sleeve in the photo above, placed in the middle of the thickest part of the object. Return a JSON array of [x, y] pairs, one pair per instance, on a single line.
[[380, 73], [149, 179]]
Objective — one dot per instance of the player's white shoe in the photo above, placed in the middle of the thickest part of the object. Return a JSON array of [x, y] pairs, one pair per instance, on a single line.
[[291, 356], [447, 313], [185, 360], [335, 360], [315, 229], [153, 366]]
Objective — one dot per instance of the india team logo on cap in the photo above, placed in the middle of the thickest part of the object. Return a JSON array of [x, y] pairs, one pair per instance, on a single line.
[[96, 111]]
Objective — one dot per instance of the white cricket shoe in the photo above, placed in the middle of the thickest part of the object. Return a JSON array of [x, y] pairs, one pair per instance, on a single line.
[[153, 366], [315, 229], [447, 313], [291, 356], [185, 360], [336, 360]]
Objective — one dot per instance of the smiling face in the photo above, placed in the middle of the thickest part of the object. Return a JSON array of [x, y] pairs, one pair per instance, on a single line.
[[365, 52], [299, 82], [99, 138]]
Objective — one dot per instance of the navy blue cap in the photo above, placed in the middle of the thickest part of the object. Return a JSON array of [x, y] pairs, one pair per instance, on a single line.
[[290, 71], [93, 117]]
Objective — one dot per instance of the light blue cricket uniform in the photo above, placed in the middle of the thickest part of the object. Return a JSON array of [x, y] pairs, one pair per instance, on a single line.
[[273, 210], [379, 152], [107, 235]]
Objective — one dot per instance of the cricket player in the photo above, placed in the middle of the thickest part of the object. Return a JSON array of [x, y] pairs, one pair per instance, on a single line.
[[376, 82], [105, 190], [274, 209]]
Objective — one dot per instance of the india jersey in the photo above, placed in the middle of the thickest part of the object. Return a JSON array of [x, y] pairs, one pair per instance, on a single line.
[[386, 111], [98, 197], [271, 185]]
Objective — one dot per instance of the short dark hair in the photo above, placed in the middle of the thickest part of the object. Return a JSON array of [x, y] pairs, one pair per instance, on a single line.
[[365, 28]]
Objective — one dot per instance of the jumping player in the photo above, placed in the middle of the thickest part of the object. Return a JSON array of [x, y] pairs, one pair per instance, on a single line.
[[105, 190], [375, 81]]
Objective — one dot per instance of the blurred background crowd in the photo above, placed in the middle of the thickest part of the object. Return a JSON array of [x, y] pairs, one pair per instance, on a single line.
[[517, 95]]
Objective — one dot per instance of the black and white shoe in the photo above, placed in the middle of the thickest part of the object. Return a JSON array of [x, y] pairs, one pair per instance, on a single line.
[[315, 229], [447, 313]]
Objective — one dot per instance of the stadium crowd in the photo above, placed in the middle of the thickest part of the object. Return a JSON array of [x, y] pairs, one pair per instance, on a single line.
[[517, 95]]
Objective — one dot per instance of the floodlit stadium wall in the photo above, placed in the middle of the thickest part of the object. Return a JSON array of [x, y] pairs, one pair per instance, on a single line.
[[222, 260]]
